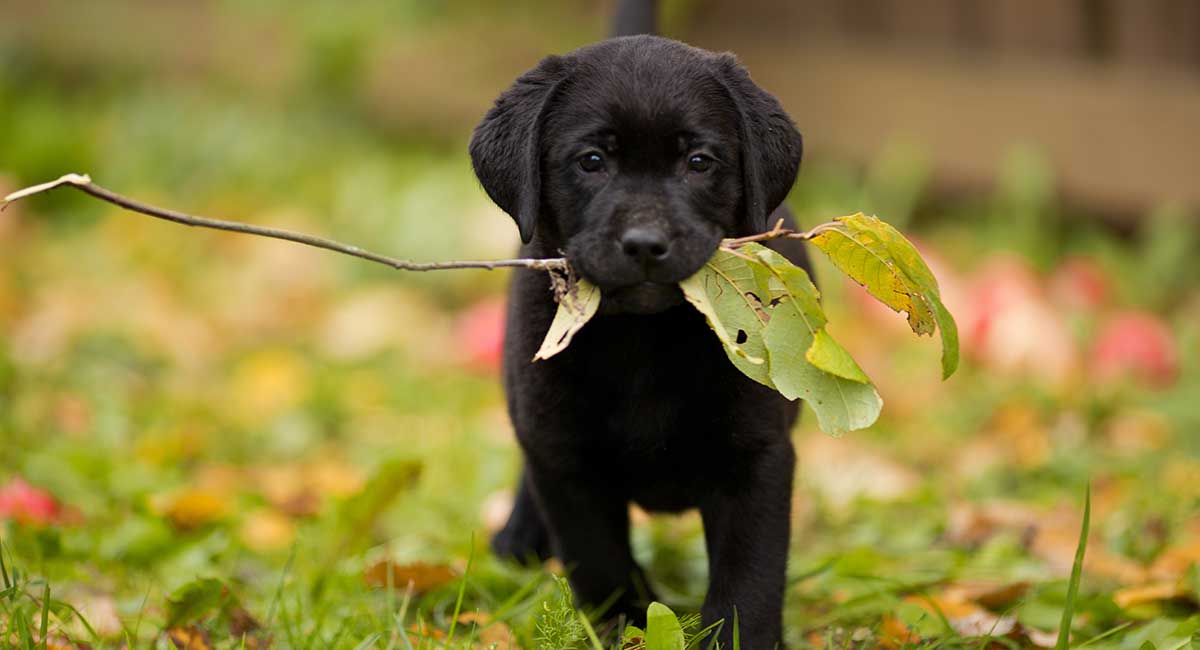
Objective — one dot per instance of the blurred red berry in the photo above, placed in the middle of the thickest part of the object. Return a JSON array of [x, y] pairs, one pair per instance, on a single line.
[[1138, 345], [480, 332], [26, 504]]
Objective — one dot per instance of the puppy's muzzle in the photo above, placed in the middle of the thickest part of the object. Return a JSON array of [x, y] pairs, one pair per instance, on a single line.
[[645, 245]]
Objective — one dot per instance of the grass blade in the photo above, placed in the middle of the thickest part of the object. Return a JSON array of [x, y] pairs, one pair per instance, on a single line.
[[1064, 627], [4, 569], [737, 633], [587, 627], [45, 628], [275, 601], [462, 589]]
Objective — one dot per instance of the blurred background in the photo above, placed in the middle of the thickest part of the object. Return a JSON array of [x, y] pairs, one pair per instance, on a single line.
[[205, 436]]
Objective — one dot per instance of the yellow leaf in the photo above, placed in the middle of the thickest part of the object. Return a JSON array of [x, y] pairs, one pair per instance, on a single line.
[[192, 508], [878, 257], [575, 309], [267, 530]]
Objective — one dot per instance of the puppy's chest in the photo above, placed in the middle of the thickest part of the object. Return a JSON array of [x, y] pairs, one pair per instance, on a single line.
[[651, 382]]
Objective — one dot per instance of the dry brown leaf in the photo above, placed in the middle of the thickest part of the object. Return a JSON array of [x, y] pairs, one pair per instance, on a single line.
[[1137, 431], [1055, 544], [421, 630], [189, 638], [1041, 639], [1174, 561], [1153, 592], [993, 595], [492, 634], [246, 630], [893, 633], [335, 477], [974, 523], [421, 575]]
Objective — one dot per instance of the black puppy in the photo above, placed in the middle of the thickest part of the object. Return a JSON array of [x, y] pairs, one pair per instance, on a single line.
[[636, 156]]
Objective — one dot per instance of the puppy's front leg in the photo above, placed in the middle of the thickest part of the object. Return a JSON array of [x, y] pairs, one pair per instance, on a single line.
[[589, 526], [524, 537], [746, 529]]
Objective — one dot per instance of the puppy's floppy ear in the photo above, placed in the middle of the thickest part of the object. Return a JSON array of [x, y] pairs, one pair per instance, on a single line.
[[771, 145], [506, 146]]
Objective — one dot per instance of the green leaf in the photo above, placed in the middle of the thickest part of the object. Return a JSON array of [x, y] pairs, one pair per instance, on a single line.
[[768, 315], [829, 355], [840, 404], [663, 631], [878, 257], [575, 309], [805, 361], [726, 290]]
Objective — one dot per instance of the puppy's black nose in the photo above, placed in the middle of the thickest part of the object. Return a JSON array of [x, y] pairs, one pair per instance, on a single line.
[[645, 244]]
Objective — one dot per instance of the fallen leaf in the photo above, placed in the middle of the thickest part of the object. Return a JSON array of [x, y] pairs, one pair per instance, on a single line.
[[189, 638], [267, 530], [1174, 561], [993, 595], [492, 634], [192, 508], [1153, 592], [423, 577]]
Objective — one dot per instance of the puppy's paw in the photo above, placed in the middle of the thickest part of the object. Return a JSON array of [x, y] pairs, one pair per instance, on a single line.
[[523, 544]]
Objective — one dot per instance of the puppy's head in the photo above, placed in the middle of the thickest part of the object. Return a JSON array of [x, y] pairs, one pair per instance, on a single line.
[[636, 156]]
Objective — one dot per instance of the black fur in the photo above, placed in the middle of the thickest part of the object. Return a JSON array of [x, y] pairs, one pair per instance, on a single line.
[[644, 405]]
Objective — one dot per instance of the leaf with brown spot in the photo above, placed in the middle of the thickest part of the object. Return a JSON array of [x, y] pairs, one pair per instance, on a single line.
[[877, 256]]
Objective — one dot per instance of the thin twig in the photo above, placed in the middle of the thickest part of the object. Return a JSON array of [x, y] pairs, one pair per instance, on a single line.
[[778, 232], [555, 265], [85, 184]]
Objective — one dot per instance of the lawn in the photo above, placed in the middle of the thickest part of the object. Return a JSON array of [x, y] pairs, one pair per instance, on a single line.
[[210, 440]]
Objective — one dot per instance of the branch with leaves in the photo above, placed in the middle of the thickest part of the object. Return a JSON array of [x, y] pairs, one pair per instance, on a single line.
[[765, 311]]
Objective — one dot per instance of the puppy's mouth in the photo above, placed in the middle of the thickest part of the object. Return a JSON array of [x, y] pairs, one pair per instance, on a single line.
[[640, 298]]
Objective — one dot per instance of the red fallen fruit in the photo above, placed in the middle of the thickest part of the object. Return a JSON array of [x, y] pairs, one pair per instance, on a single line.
[[1008, 324], [26, 504], [1080, 283], [480, 333], [1137, 344]]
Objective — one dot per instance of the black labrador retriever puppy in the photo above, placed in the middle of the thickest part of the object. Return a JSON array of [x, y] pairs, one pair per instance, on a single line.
[[635, 156]]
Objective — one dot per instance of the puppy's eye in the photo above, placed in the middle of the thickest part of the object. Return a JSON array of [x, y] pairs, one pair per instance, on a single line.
[[700, 163], [591, 162]]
